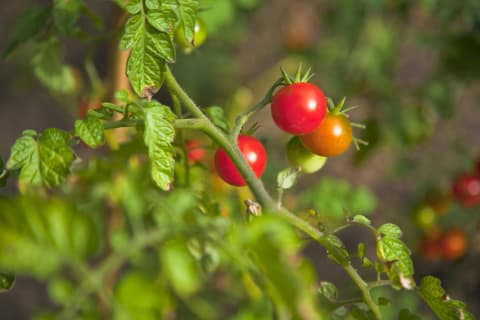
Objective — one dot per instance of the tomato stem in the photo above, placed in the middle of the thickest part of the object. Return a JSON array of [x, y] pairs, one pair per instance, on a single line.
[[243, 118]]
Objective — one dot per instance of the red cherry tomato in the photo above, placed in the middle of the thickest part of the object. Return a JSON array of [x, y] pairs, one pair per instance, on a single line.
[[466, 190], [431, 248], [298, 108], [195, 153], [454, 244], [331, 138], [252, 151]]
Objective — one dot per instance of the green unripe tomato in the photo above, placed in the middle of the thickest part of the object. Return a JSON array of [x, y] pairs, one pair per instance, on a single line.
[[199, 35], [299, 156], [425, 217]]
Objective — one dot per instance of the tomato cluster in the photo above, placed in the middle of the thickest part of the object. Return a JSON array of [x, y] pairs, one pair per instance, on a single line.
[[450, 245], [301, 109], [298, 108]]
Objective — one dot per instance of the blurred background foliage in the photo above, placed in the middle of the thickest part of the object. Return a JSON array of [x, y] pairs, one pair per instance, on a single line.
[[412, 67]]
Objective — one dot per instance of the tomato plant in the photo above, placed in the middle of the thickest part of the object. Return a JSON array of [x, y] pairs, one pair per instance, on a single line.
[[466, 190], [136, 232], [253, 152], [300, 157], [298, 108]]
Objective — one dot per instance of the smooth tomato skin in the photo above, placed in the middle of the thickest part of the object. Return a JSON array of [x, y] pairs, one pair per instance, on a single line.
[[466, 190], [454, 243], [253, 152], [331, 138], [298, 108], [195, 154], [199, 35], [298, 156]]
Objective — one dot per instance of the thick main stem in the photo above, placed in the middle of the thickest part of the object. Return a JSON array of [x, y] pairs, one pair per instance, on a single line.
[[230, 147]]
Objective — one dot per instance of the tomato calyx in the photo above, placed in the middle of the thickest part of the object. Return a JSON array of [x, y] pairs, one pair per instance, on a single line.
[[298, 77], [340, 110]]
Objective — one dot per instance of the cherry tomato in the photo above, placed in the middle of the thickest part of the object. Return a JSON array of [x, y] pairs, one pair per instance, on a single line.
[[454, 244], [298, 156], [252, 151], [298, 108], [199, 35], [195, 153], [331, 138], [425, 217], [431, 248], [466, 190]]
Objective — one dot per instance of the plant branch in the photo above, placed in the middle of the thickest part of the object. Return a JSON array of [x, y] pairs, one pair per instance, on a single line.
[[243, 118], [363, 286]]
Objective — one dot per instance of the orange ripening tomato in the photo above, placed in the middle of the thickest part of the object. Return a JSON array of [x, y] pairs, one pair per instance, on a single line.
[[454, 244], [331, 138]]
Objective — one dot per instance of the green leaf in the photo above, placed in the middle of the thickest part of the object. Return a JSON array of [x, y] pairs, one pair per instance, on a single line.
[[29, 24], [53, 232], [159, 135], [162, 20], [61, 290], [361, 219], [131, 32], [287, 178], [6, 281], [406, 314], [390, 230], [361, 314], [90, 130], [134, 6], [50, 70], [46, 160], [187, 12], [382, 301], [328, 290], [180, 268], [139, 296], [396, 257], [444, 307], [217, 115], [150, 50], [335, 249], [66, 14]]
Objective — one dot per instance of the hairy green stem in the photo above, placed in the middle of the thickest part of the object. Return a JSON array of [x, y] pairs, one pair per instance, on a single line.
[[230, 147], [379, 283], [363, 286], [243, 118]]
